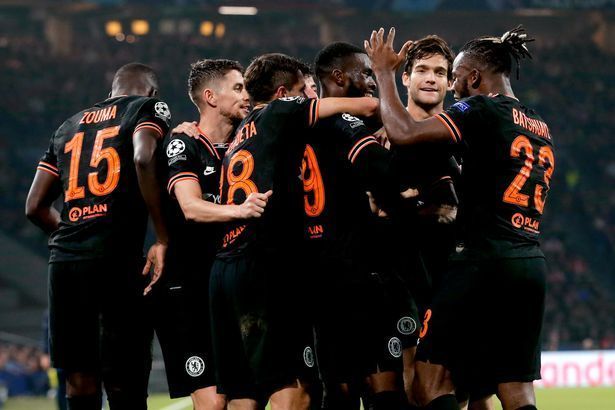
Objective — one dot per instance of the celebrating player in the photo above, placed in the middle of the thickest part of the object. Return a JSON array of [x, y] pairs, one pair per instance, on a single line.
[[508, 164], [342, 161], [261, 337], [193, 210], [102, 160]]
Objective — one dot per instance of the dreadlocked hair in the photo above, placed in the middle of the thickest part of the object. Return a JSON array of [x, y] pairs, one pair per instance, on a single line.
[[498, 52]]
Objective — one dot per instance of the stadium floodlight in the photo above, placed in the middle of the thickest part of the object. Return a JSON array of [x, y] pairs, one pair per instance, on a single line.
[[113, 28], [238, 10], [207, 28], [140, 27]]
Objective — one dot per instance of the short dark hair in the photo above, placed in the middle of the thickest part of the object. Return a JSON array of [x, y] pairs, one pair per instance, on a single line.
[[268, 72], [203, 72], [497, 53], [330, 57], [427, 47], [128, 74]]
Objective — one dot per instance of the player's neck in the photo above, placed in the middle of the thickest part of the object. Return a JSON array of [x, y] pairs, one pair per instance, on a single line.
[[217, 128], [419, 112], [498, 85]]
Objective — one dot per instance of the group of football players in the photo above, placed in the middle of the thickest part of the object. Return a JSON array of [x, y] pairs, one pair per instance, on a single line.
[[299, 238]]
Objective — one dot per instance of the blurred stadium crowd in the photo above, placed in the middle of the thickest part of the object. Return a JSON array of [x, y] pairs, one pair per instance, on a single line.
[[570, 86]]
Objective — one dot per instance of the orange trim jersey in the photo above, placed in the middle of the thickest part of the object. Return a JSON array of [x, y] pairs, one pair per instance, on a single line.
[[266, 154], [192, 246], [91, 154], [341, 162], [508, 162]]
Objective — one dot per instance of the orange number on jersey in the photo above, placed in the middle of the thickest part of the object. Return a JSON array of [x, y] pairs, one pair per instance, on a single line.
[[312, 183], [113, 163], [74, 147], [546, 160], [241, 181], [425, 324], [512, 194]]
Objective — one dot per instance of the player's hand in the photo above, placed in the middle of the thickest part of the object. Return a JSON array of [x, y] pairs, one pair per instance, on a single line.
[[254, 205], [155, 258], [381, 52], [188, 128], [374, 207]]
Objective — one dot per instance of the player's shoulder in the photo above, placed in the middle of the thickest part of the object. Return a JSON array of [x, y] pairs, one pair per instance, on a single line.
[[287, 104], [471, 103]]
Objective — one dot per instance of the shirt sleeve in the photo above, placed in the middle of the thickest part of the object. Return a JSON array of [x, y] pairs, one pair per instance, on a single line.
[[371, 162], [182, 160], [464, 116], [299, 111], [154, 115], [49, 162]]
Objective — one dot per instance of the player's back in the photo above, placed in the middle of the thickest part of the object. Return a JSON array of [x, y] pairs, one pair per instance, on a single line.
[[508, 163], [266, 154], [337, 211], [92, 153]]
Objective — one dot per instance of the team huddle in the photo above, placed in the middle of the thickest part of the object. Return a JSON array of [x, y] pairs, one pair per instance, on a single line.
[[311, 251]]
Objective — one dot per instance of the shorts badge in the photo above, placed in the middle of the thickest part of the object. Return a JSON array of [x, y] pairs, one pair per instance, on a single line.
[[395, 347], [406, 325], [195, 366], [308, 356]]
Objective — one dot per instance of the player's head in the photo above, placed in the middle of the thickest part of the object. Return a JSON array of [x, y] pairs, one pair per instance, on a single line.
[[486, 58], [344, 69], [218, 85], [428, 71], [311, 83], [275, 75], [135, 79]]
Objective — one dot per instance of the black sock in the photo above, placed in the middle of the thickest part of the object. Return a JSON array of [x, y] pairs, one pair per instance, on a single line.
[[85, 402], [528, 407], [446, 402], [388, 400]]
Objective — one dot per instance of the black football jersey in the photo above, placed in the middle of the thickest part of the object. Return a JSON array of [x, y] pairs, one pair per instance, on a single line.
[[92, 154], [266, 154], [192, 246], [335, 199], [508, 163], [341, 162]]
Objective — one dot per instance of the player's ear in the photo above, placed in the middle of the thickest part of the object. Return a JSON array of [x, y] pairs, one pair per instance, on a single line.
[[153, 92], [405, 79], [475, 78], [280, 92], [209, 97], [339, 77], [449, 85]]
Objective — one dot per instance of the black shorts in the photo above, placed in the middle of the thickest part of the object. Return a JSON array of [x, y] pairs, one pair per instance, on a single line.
[[363, 321], [98, 320], [262, 336], [485, 322], [182, 326]]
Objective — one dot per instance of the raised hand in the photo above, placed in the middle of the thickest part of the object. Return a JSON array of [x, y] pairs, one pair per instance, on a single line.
[[381, 52]]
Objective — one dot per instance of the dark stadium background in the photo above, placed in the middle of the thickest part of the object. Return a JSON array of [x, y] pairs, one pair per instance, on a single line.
[[57, 57]]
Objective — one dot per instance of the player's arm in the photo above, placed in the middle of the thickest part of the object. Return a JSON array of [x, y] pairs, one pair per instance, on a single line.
[[195, 209], [362, 107], [44, 190], [399, 125], [145, 141]]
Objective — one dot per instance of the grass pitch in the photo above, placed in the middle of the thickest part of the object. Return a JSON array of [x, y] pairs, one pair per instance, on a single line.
[[596, 398]]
